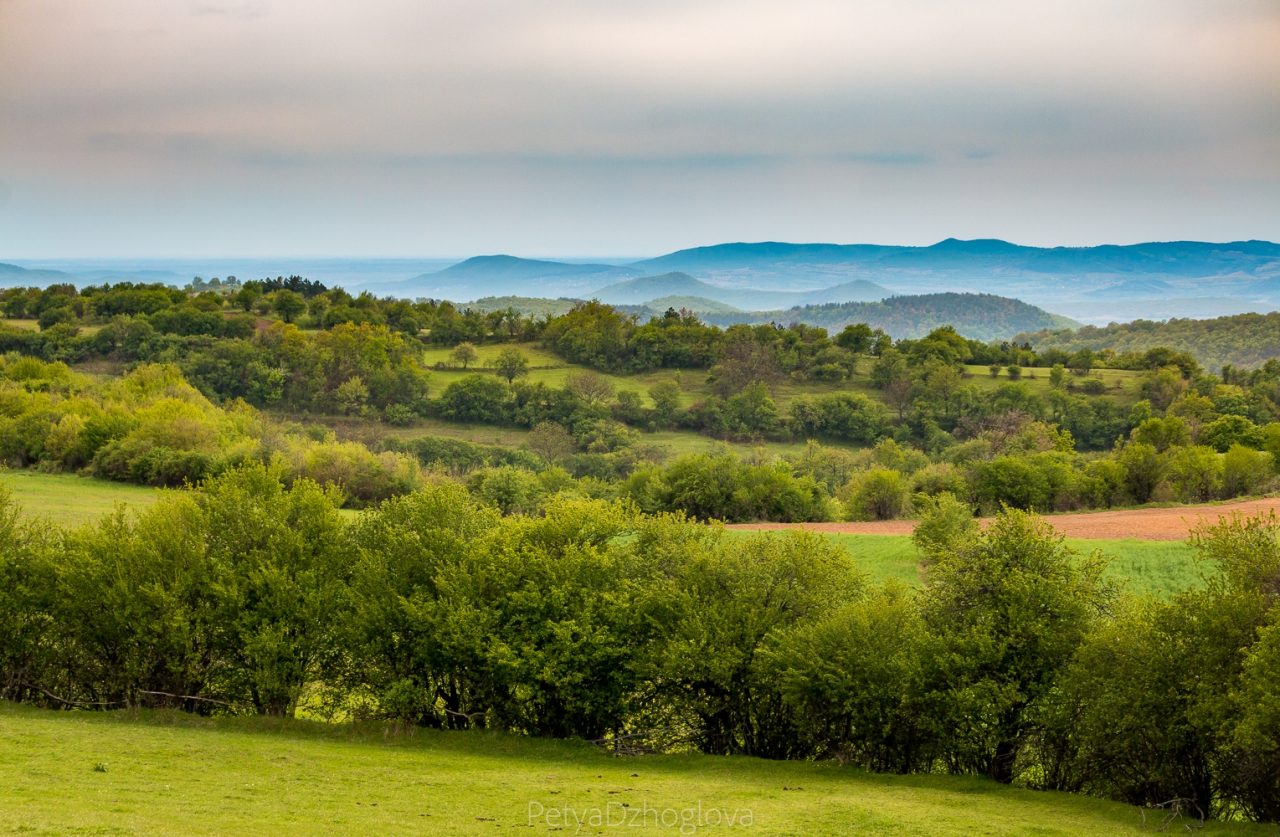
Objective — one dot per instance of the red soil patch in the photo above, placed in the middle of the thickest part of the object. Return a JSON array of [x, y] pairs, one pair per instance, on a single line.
[[1171, 524]]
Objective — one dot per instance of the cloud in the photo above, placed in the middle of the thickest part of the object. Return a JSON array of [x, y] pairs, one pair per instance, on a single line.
[[648, 124]]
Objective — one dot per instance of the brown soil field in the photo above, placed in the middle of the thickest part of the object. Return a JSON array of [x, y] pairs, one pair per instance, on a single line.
[[1164, 524]]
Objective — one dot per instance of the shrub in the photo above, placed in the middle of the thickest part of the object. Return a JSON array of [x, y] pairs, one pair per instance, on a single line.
[[878, 494]]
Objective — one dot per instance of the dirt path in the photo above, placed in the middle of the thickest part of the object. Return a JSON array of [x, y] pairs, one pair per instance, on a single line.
[[1169, 524]]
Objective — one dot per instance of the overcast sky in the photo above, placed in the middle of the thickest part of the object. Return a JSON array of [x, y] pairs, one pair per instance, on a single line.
[[429, 128]]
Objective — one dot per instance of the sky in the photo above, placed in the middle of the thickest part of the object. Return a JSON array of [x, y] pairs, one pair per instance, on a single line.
[[166, 128]]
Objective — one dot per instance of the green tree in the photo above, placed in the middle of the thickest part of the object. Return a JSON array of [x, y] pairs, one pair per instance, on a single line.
[[889, 367], [666, 401], [878, 494], [247, 296], [464, 354], [288, 304], [1010, 605], [1144, 469], [351, 395], [510, 364]]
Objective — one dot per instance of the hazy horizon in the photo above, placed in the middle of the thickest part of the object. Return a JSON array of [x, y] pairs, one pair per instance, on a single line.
[[277, 128]]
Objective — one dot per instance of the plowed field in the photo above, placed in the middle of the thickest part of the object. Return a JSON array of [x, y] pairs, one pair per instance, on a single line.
[[1166, 524]]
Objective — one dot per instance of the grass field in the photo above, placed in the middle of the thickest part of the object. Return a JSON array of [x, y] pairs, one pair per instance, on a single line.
[[70, 500], [32, 325], [163, 773], [1157, 567]]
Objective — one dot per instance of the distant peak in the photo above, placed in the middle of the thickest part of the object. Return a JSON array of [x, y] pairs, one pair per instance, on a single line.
[[976, 245]]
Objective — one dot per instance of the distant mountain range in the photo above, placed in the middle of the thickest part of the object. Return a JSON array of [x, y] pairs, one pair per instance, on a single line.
[[1066, 280], [1092, 284]]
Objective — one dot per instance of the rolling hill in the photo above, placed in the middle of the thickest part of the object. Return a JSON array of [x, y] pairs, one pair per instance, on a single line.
[[483, 276], [12, 276], [978, 316], [1243, 340], [647, 289], [697, 304]]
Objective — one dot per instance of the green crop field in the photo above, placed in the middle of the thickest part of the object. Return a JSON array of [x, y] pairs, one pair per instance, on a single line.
[[70, 500], [164, 773], [1157, 567]]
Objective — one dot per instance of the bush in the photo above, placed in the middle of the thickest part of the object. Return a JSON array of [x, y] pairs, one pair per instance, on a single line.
[[724, 488], [476, 398], [878, 494]]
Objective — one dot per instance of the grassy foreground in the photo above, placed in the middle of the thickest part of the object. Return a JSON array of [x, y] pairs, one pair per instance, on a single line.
[[164, 773]]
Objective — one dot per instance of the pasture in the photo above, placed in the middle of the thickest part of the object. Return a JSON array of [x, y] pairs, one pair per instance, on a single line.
[[69, 500], [1156, 567], [165, 773]]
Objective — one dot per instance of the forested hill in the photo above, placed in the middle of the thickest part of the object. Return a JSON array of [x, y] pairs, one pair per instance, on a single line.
[[977, 316], [1244, 340]]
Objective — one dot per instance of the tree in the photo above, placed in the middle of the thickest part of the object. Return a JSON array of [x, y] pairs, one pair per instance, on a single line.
[[1143, 470], [891, 366], [666, 401], [288, 304], [1163, 434], [1226, 431], [1082, 361], [247, 296], [880, 494], [748, 359], [510, 364], [1057, 376], [1011, 604], [591, 387], [351, 395], [463, 354], [856, 338], [551, 442]]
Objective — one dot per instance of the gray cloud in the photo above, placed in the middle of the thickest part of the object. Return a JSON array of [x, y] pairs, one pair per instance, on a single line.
[[417, 128]]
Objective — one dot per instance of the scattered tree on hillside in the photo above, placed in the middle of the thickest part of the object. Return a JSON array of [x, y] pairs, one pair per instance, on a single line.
[[510, 364]]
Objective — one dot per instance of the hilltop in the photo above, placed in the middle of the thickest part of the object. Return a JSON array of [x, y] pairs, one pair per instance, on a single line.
[[977, 316]]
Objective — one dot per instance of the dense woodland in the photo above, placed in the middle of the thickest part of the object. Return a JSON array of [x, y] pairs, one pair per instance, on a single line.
[[1014, 659]]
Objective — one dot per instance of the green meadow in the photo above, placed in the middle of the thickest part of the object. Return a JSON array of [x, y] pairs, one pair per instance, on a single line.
[[70, 500], [165, 773], [1156, 567]]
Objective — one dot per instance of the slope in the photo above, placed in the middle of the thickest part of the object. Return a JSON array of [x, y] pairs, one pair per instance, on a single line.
[[167, 773], [1244, 340], [12, 276], [483, 276], [646, 288], [977, 316]]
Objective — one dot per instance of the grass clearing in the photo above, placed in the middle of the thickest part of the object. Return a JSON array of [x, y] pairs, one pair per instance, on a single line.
[[164, 773], [69, 500], [1157, 567]]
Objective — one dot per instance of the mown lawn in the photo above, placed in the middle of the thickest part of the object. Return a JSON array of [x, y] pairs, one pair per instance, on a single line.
[[164, 773], [70, 500]]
